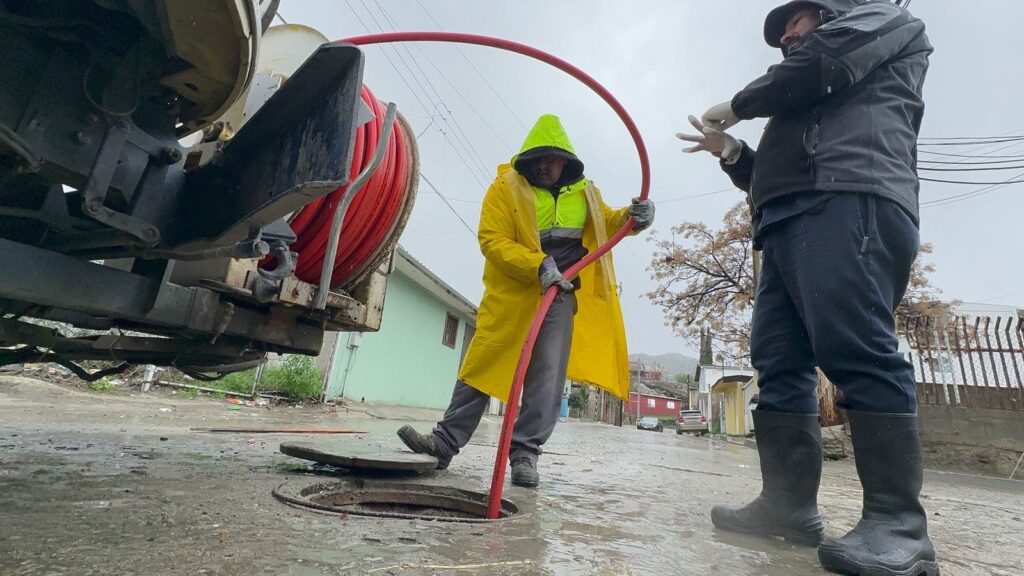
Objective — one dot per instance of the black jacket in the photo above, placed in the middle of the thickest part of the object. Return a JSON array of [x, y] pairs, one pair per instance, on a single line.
[[845, 109]]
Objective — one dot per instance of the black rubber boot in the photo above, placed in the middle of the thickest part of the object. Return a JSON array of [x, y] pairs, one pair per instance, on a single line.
[[789, 446], [423, 444], [524, 472], [892, 535]]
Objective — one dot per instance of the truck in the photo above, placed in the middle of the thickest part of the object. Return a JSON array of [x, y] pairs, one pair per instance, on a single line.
[[151, 155]]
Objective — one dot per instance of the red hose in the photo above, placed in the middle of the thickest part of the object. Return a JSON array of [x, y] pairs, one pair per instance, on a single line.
[[372, 212], [512, 408]]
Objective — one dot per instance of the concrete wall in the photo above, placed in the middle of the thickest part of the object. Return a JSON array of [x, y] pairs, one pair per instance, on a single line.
[[972, 440], [405, 362]]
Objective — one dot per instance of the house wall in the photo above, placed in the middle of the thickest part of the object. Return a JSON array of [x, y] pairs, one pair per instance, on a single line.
[[735, 407], [405, 362], [661, 406]]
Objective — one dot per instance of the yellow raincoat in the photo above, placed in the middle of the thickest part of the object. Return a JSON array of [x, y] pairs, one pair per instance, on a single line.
[[510, 242]]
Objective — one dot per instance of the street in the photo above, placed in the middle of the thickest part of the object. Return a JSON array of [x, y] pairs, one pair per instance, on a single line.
[[95, 483]]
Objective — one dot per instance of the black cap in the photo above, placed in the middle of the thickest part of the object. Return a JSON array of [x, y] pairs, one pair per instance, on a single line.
[[775, 22]]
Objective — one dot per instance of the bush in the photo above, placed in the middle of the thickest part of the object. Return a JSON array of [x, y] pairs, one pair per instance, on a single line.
[[578, 401], [105, 384], [237, 382], [296, 377]]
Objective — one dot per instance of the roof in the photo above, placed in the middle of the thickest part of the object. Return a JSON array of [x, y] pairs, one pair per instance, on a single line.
[[646, 395], [744, 378], [708, 374], [421, 275]]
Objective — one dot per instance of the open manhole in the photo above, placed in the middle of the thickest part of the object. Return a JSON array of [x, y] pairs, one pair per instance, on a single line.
[[381, 499]]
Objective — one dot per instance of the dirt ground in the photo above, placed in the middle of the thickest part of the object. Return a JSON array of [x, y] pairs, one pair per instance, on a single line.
[[94, 483]]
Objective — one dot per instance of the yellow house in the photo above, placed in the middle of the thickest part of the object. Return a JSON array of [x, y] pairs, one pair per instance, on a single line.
[[734, 395]]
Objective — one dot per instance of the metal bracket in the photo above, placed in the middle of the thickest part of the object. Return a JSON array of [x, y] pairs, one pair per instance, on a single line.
[[267, 283], [339, 211], [95, 190]]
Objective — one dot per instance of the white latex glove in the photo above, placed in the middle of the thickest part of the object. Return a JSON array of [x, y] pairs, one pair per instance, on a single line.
[[718, 143], [720, 117]]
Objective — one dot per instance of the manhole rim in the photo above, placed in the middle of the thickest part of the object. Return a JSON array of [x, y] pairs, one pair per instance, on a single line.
[[290, 493]]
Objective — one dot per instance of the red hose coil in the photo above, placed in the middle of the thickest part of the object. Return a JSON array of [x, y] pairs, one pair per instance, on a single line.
[[504, 443], [370, 215]]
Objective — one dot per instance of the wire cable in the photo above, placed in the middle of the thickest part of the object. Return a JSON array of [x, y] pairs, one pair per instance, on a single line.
[[448, 204]]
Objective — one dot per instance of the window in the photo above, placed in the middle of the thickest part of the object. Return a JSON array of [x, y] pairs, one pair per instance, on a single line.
[[670, 405], [651, 402], [451, 330]]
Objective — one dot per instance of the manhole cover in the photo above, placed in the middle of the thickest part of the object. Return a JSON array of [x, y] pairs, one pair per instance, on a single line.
[[360, 458], [391, 500]]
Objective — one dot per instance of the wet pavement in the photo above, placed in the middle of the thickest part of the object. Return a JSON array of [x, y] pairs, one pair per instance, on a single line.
[[102, 484]]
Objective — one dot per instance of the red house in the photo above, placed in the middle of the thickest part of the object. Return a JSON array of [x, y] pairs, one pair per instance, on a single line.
[[654, 405]]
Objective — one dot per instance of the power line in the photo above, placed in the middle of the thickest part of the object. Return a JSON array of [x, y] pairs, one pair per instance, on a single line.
[[1005, 182], [966, 163], [681, 198], [448, 204], [475, 69], [506, 143], [464, 142], [390, 61], [1017, 167], [467, 145], [973, 143], [966, 195], [427, 109], [453, 199], [974, 155], [972, 137], [1002, 296]]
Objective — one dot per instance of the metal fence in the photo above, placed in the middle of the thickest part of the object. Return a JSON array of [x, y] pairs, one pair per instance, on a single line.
[[972, 362]]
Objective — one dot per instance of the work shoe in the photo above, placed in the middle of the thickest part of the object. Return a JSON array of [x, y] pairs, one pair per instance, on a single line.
[[892, 535], [789, 446], [524, 472], [423, 444]]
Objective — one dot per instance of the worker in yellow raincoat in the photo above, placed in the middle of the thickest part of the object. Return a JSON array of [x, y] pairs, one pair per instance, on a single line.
[[539, 217]]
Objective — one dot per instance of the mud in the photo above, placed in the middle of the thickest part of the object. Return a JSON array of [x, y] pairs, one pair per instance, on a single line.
[[102, 484]]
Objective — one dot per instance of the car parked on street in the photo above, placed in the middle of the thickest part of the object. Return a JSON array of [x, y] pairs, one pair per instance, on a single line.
[[692, 421], [650, 423]]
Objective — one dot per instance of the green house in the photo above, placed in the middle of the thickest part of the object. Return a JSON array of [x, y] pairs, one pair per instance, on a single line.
[[414, 359]]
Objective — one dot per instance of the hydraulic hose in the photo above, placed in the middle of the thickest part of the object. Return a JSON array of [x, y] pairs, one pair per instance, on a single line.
[[512, 407], [369, 222]]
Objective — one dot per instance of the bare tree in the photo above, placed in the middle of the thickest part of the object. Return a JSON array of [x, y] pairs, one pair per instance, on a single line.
[[705, 280]]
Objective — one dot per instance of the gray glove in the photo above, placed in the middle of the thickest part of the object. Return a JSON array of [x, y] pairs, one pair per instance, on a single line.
[[549, 275], [642, 212]]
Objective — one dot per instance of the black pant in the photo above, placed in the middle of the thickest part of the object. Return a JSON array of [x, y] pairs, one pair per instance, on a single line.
[[830, 281]]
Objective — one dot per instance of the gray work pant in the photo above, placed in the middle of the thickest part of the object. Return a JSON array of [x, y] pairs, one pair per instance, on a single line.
[[542, 391]]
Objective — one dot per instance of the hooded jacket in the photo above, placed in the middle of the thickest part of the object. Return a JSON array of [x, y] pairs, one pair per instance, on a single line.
[[844, 108], [510, 242], [561, 207]]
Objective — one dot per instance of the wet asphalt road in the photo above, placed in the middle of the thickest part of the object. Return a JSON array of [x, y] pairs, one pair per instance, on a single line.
[[101, 484]]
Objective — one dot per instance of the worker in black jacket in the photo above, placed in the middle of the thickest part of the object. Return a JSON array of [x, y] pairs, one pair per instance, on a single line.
[[834, 194]]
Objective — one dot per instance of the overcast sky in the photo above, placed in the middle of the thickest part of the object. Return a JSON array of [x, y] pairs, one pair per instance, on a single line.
[[664, 60]]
